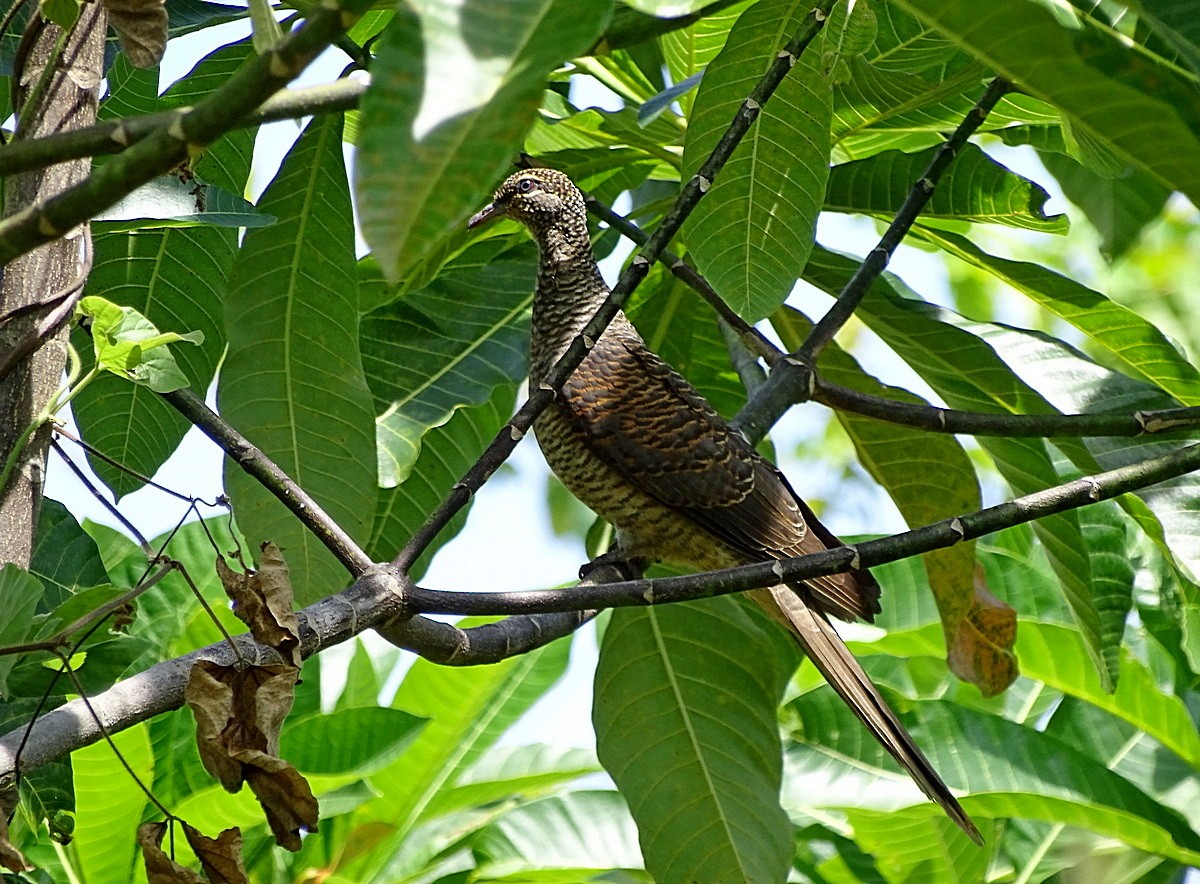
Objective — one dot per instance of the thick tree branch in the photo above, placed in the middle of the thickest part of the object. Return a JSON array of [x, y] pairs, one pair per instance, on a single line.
[[170, 143], [115, 136], [690, 194], [1068, 496], [791, 379]]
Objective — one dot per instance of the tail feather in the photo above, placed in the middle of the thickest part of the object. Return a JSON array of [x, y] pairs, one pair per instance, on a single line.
[[844, 673]]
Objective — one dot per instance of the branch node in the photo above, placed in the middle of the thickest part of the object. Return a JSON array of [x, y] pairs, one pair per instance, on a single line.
[[588, 341], [703, 183], [640, 261], [752, 106], [958, 528], [1093, 487], [941, 417], [926, 184], [791, 59], [175, 130], [819, 14], [46, 227], [515, 433], [280, 66], [855, 557], [777, 569], [648, 595], [120, 135]]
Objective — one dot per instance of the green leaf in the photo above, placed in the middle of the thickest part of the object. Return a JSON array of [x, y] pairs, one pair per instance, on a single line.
[[21, 592], [447, 346], [109, 806], [1024, 43], [173, 201], [127, 344], [688, 51], [510, 772], [63, 13], [1006, 770], [468, 709], [447, 452], [975, 188], [1136, 346], [175, 278], [64, 556], [685, 723], [915, 846], [293, 380], [752, 232], [451, 99], [1054, 655], [267, 32], [667, 8], [565, 839], [350, 741]]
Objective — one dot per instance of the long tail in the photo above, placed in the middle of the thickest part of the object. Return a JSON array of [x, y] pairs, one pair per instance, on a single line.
[[834, 660]]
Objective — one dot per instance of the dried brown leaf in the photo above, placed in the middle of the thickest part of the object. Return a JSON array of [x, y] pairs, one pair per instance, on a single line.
[[160, 868], [981, 648], [142, 27], [10, 858], [220, 857], [238, 716], [263, 599], [285, 797]]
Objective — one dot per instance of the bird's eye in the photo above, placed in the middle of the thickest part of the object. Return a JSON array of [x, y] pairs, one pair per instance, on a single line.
[[525, 185]]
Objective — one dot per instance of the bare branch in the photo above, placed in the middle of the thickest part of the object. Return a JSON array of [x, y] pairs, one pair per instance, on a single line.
[[790, 381], [939, 535]]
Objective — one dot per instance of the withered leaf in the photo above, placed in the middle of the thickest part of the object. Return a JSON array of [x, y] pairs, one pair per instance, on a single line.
[[220, 857], [160, 868], [10, 858], [142, 27], [285, 797], [980, 650], [238, 715], [262, 600]]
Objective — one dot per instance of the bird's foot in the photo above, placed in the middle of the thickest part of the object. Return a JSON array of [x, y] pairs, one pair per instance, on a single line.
[[629, 567]]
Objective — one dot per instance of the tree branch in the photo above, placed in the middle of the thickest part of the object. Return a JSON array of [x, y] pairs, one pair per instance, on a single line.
[[790, 381], [984, 423], [171, 142], [115, 136], [855, 557], [690, 194]]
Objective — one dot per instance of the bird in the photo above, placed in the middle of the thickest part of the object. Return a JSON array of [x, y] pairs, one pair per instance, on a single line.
[[639, 445]]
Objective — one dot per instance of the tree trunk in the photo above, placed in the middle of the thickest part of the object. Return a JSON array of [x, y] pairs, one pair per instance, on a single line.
[[68, 102]]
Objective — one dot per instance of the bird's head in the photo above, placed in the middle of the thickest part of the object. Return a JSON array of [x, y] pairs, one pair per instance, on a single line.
[[541, 199]]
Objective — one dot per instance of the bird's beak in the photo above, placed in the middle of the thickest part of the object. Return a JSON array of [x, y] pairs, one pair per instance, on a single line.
[[490, 212]]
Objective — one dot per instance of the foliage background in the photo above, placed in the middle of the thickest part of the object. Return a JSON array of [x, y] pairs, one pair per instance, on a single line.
[[369, 391]]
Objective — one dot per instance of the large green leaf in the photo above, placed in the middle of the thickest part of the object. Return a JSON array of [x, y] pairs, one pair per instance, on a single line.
[[21, 592], [349, 741], [1025, 43], [508, 772], [454, 89], [468, 708], [1136, 345], [1007, 771], [109, 806], [968, 374], [685, 722], [64, 556], [447, 452], [975, 188], [568, 839], [293, 380], [752, 232], [1054, 654], [446, 346]]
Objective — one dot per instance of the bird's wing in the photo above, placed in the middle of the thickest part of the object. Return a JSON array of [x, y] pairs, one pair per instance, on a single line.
[[640, 416]]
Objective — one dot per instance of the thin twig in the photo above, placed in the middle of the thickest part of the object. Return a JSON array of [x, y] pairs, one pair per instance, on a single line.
[[790, 381], [690, 194], [855, 557], [104, 501], [129, 471]]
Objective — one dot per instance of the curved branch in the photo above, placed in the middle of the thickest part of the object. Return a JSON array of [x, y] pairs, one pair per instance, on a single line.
[[171, 142], [790, 381], [984, 423], [690, 194], [115, 136], [1070, 495]]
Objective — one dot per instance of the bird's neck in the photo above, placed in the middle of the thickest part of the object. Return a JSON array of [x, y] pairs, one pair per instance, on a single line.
[[569, 291]]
